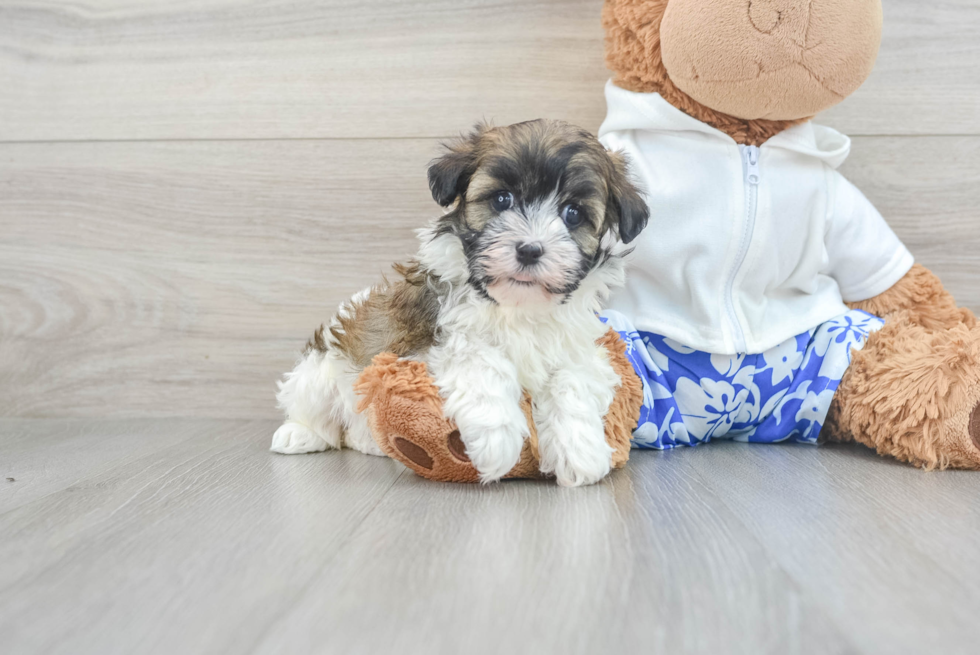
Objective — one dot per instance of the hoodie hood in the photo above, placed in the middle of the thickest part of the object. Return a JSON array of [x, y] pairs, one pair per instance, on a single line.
[[627, 110]]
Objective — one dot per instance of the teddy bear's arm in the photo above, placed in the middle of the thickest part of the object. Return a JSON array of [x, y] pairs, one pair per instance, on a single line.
[[865, 255], [922, 299]]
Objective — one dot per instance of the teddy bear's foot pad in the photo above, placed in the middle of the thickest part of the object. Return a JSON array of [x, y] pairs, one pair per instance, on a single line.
[[434, 450], [457, 447], [414, 453], [974, 427]]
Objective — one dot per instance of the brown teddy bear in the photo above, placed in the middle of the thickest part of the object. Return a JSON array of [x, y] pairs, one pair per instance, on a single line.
[[754, 69], [692, 74]]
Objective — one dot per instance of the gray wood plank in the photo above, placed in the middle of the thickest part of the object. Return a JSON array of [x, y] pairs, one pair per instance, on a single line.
[[936, 514], [131, 69], [886, 550], [191, 549], [181, 279], [204, 266], [302, 69], [39, 457], [648, 561], [212, 544], [929, 191], [926, 80]]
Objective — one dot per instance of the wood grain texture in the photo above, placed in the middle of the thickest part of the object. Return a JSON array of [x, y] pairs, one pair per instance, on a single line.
[[184, 274], [929, 191], [648, 561], [202, 541], [870, 539], [40, 457], [192, 549], [181, 279], [131, 69]]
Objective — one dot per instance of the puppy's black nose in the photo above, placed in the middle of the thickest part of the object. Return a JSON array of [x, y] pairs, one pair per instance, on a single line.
[[529, 253]]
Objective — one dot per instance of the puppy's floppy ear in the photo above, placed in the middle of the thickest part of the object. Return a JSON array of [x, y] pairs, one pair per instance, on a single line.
[[626, 205], [450, 174]]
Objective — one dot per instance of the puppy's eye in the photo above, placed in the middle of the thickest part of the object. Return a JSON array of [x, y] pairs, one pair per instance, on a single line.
[[501, 201], [572, 215]]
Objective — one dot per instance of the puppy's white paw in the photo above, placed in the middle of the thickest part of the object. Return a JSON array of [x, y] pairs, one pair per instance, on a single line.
[[294, 439], [494, 451], [358, 437], [580, 473], [579, 456]]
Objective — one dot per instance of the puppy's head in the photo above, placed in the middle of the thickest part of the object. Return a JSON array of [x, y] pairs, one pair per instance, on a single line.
[[538, 206]]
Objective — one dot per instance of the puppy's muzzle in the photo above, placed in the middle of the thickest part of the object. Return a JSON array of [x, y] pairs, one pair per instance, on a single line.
[[528, 254]]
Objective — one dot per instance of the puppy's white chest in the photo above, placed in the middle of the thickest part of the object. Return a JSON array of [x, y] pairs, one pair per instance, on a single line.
[[538, 349]]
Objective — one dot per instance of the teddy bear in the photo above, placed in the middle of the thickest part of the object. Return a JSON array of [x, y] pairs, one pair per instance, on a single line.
[[767, 300], [756, 70]]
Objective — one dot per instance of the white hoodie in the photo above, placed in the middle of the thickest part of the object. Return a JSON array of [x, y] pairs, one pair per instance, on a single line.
[[746, 247]]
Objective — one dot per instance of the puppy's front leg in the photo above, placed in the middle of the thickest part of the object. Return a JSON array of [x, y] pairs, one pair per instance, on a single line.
[[482, 395], [569, 417]]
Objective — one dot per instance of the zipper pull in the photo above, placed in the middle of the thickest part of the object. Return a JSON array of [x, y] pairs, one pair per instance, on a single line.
[[751, 157]]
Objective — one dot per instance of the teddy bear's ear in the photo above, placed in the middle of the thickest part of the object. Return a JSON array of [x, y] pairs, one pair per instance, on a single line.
[[626, 206], [449, 175]]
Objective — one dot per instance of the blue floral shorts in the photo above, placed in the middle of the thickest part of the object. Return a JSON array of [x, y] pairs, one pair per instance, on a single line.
[[692, 397]]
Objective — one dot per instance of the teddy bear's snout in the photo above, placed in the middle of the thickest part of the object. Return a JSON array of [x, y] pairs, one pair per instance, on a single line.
[[729, 56]]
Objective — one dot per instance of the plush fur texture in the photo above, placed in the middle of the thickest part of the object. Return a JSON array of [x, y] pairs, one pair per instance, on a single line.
[[633, 54], [405, 412], [624, 412], [500, 301], [913, 392], [773, 59]]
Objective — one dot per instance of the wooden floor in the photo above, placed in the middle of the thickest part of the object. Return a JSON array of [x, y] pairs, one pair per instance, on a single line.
[[188, 536]]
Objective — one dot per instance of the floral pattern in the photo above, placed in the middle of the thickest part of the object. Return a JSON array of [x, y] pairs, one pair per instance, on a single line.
[[691, 397]]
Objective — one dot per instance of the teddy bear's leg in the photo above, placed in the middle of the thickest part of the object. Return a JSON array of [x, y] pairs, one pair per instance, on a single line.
[[405, 412], [914, 393]]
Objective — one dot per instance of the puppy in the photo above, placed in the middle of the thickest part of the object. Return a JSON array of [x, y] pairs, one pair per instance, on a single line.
[[502, 297]]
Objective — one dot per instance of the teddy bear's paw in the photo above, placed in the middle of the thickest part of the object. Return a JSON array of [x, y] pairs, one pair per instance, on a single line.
[[970, 448], [411, 454], [974, 427], [436, 455], [295, 439], [452, 449], [955, 445]]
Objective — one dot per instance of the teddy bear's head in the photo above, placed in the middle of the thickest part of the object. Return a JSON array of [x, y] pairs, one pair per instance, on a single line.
[[750, 68]]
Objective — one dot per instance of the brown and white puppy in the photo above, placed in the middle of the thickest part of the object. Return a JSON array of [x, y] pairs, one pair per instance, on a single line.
[[502, 297]]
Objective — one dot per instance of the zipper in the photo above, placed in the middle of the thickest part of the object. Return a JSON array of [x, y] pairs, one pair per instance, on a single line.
[[750, 168]]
